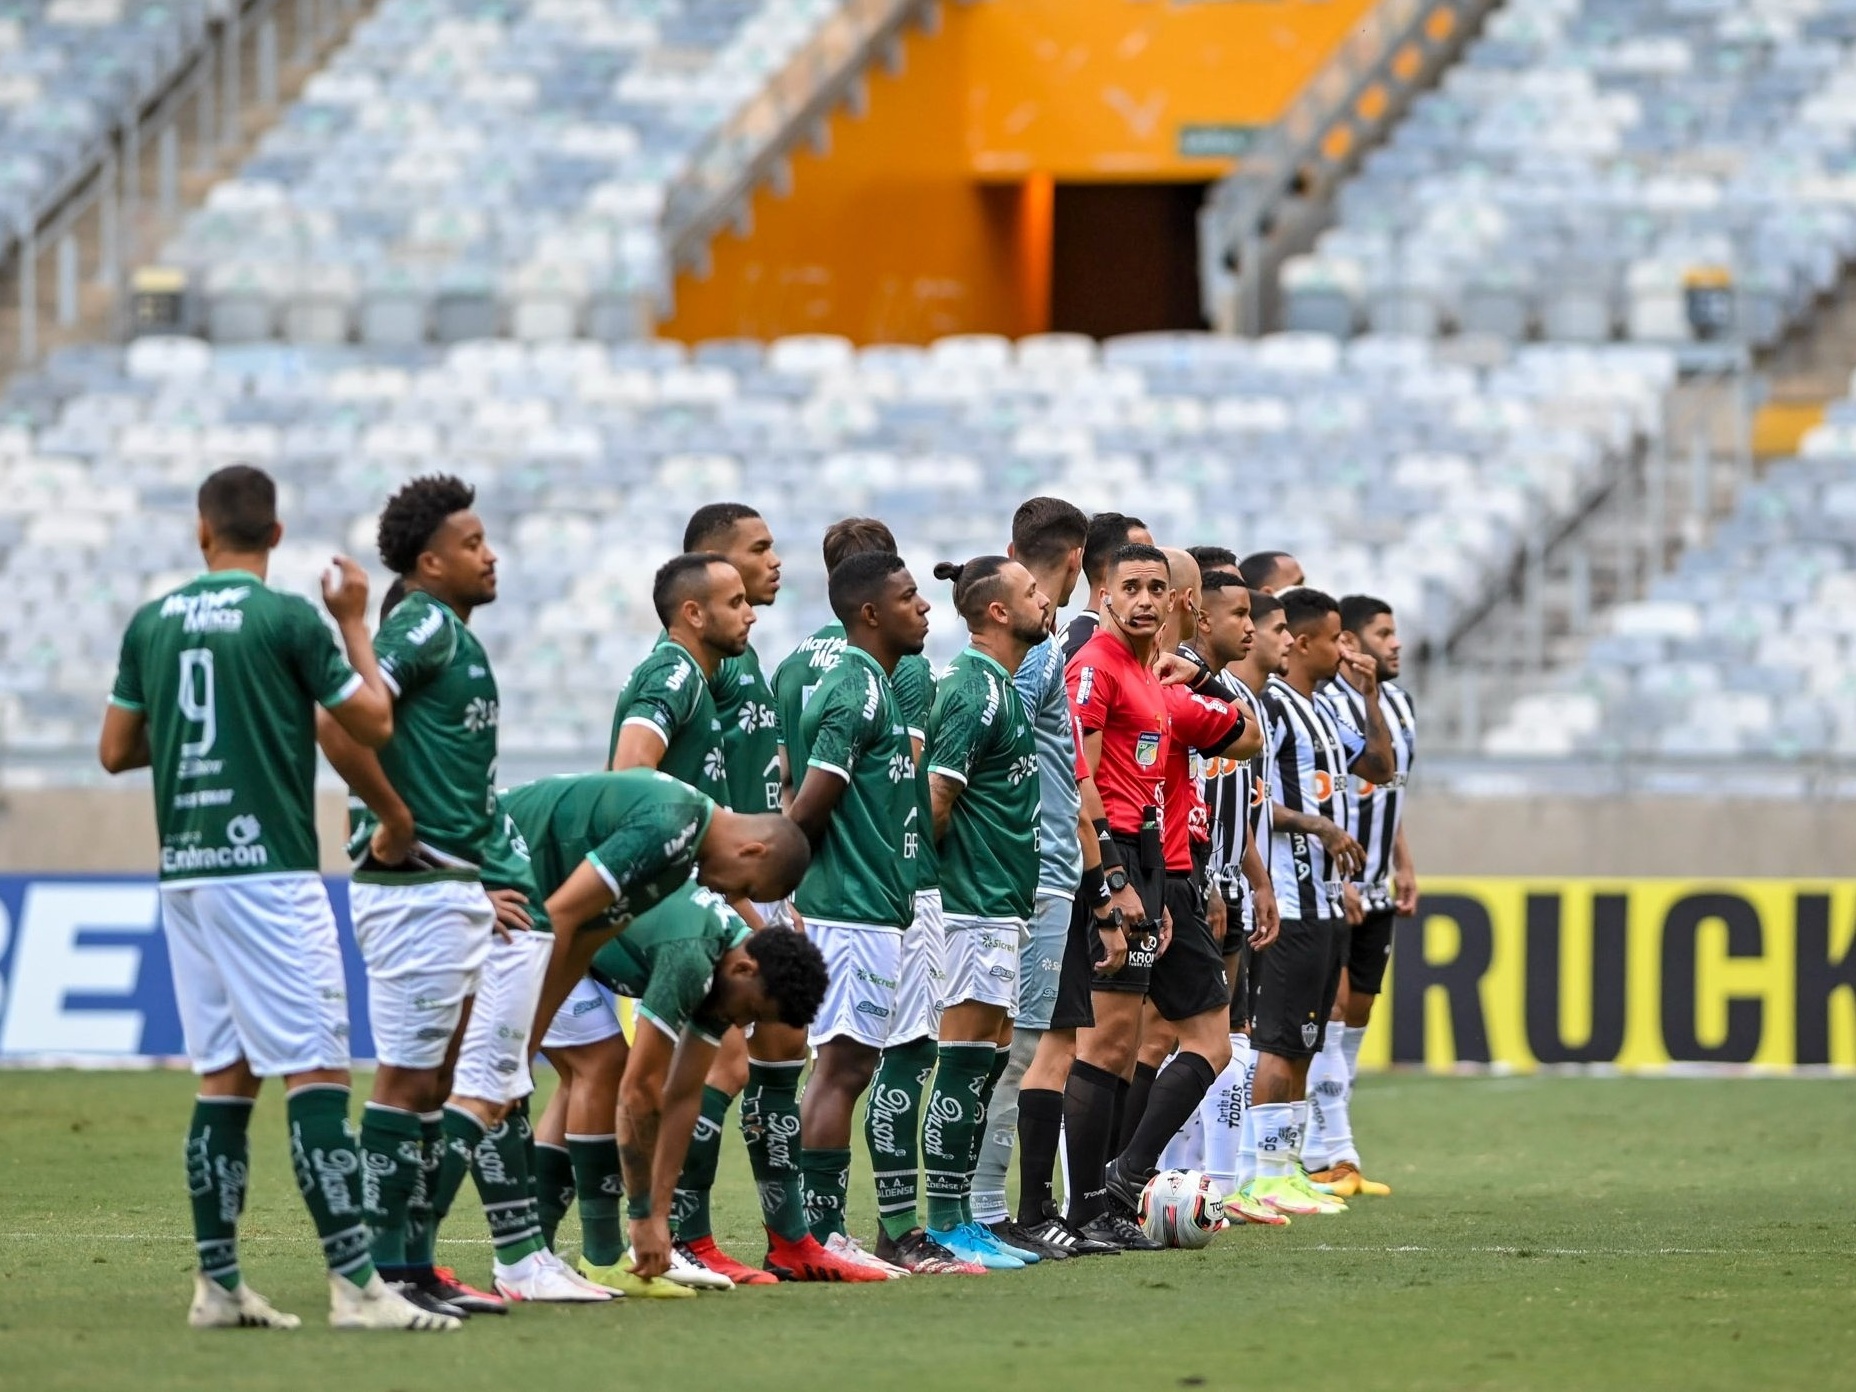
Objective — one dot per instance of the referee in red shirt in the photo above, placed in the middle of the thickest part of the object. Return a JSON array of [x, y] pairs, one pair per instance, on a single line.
[[1124, 719]]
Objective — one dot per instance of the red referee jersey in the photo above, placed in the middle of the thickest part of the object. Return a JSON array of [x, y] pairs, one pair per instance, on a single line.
[[1113, 694], [1202, 723]]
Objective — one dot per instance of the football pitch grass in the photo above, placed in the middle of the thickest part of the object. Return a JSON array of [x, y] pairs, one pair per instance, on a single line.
[[1544, 1233]]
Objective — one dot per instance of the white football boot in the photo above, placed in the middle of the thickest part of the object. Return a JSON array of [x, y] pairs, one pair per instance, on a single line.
[[534, 1279], [378, 1306], [215, 1307]]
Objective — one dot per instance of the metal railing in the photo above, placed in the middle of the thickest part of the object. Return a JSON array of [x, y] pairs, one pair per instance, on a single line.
[[750, 148], [97, 223], [1394, 50]]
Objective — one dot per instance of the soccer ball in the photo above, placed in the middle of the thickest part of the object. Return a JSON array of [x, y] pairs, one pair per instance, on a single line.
[[1181, 1208]]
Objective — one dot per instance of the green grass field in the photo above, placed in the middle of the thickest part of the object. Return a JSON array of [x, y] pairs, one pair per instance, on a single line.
[[1545, 1233]]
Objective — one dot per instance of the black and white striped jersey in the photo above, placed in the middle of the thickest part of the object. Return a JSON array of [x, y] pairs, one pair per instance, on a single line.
[[1377, 808], [1224, 787], [1310, 752]]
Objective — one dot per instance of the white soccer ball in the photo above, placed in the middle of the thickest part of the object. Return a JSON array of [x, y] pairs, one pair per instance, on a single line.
[[1181, 1208]]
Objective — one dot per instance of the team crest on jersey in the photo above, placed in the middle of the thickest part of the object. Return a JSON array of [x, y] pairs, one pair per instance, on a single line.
[[1147, 748]]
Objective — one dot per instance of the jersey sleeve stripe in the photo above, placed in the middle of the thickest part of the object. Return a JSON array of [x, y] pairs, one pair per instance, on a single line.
[[645, 722], [386, 675], [946, 772], [599, 867], [123, 703], [343, 692], [829, 768], [657, 1024]]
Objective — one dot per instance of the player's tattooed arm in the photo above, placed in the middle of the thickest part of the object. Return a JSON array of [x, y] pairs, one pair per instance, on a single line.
[[659, 1103], [1347, 855], [359, 767], [943, 793]]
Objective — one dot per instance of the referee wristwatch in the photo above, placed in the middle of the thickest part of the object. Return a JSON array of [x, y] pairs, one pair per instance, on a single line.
[[1116, 880]]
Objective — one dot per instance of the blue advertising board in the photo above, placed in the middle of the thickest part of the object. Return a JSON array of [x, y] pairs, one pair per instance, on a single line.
[[84, 971]]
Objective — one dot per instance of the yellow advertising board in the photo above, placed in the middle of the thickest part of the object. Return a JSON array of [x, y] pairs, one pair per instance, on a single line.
[[1634, 974]]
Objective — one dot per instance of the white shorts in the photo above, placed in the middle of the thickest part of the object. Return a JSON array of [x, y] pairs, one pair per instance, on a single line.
[[778, 914], [257, 974], [923, 979], [982, 961], [1040, 964], [493, 1062], [424, 945], [589, 1015], [865, 963]]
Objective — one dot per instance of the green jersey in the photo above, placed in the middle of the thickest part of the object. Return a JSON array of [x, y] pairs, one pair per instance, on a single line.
[[227, 675], [799, 676], [750, 733], [640, 830], [863, 871], [914, 684], [506, 865], [980, 736], [442, 757], [794, 681], [668, 695], [666, 960]]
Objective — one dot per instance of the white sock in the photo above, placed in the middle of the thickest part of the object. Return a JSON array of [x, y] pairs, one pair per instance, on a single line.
[[1330, 1126], [1247, 1130], [1277, 1138], [1350, 1037], [1299, 1121], [1186, 1151], [1221, 1119]]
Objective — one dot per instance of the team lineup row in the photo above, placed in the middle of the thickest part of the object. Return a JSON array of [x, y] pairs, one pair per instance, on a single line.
[[1094, 891]]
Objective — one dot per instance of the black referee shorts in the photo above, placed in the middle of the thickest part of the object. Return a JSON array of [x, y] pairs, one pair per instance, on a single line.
[[1188, 978], [1294, 981], [1083, 949], [1369, 949]]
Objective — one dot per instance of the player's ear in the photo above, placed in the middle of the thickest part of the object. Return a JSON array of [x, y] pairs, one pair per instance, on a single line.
[[206, 536], [277, 536]]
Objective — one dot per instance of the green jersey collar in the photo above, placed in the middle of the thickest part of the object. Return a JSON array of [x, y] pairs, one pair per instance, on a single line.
[[852, 650], [988, 659]]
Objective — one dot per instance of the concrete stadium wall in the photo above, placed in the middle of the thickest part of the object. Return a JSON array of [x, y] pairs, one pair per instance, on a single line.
[[104, 830]]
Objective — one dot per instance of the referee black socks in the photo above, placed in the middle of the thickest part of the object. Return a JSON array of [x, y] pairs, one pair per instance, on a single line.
[[1176, 1094], [1088, 1130]]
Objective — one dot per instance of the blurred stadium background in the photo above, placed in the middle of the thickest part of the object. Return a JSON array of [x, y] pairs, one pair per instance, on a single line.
[[1533, 318]]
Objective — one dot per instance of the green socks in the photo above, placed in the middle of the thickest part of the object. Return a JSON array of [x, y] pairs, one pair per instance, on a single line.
[[218, 1156], [500, 1167], [770, 1126], [554, 1187], [689, 1209], [328, 1174], [391, 1161], [421, 1220], [461, 1134], [600, 1186], [951, 1131], [892, 1128], [826, 1175]]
